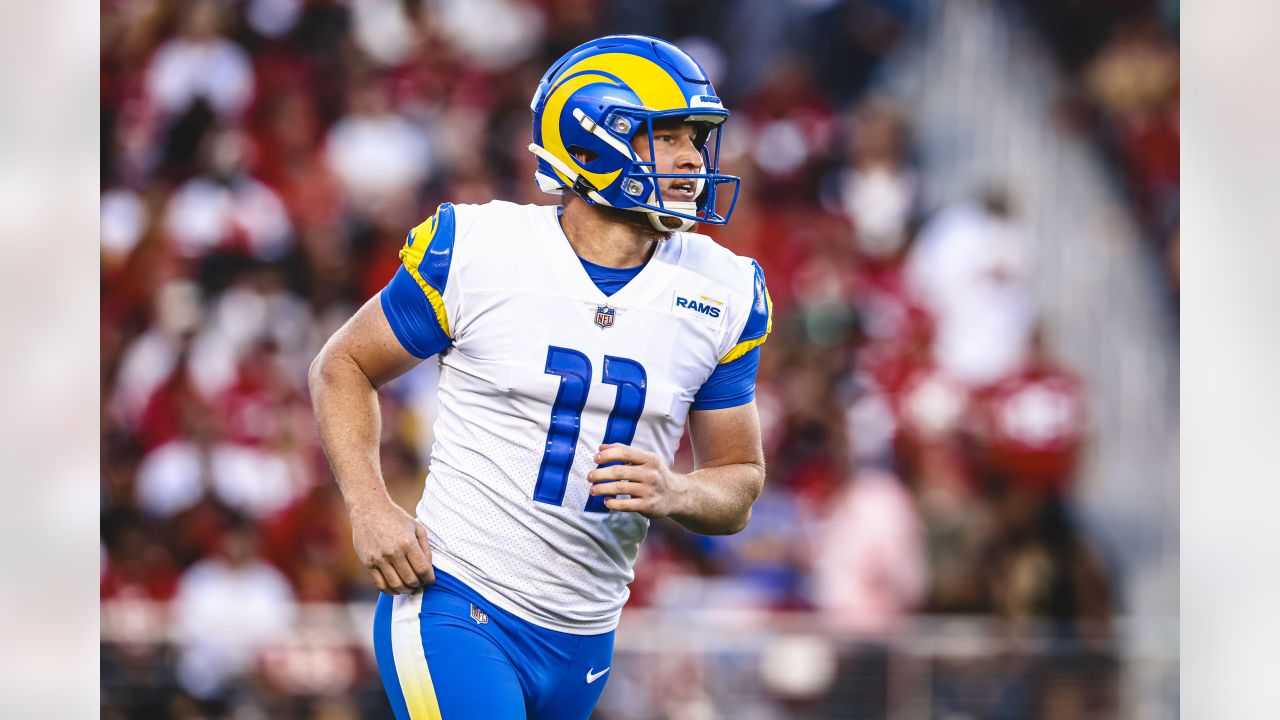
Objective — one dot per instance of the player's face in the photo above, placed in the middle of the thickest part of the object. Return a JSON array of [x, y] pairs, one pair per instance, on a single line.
[[676, 153]]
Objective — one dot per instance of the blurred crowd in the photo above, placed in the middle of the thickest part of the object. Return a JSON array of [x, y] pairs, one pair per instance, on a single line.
[[262, 162], [1121, 57]]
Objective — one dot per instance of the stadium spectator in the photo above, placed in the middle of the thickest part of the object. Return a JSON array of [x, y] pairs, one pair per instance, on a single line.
[[225, 208], [1028, 428], [1133, 83], [138, 566], [878, 190], [971, 269], [227, 608], [869, 566], [150, 358], [201, 64], [377, 154]]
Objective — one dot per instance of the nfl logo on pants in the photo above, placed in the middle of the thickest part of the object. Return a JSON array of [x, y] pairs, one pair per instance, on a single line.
[[604, 317]]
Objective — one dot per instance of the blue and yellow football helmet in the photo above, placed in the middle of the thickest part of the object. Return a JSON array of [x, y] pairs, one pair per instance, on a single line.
[[594, 101]]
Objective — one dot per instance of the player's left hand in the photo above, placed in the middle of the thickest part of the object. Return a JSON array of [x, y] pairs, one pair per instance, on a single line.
[[655, 491]]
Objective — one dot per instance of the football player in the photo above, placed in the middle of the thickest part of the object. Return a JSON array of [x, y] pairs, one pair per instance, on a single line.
[[575, 342]]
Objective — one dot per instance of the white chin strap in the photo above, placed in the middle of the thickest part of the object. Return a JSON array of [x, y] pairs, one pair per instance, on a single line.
[[680, 206], [655, 216]]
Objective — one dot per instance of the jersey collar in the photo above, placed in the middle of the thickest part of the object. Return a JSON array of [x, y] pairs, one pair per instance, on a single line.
[[572, 276]]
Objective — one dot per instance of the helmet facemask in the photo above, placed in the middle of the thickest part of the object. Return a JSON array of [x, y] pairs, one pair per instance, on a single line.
[[642, 183]]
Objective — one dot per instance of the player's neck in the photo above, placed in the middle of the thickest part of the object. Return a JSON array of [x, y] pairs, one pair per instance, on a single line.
[[601, 238]]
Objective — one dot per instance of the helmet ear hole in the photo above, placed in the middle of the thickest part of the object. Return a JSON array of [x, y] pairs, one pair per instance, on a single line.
[[583, 155]]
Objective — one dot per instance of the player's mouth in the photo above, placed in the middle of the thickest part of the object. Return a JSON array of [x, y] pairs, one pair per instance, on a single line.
[[682, 190]]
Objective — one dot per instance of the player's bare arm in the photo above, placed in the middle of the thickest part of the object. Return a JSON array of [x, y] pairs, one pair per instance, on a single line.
[[714, 499], [344, 380]]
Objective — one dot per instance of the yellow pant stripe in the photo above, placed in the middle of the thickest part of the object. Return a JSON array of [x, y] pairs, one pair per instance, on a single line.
[[411, 661]]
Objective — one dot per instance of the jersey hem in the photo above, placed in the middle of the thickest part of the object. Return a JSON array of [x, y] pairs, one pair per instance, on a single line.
[[501, 600]]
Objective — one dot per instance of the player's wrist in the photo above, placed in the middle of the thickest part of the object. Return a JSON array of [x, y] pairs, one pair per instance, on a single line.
[[369, 504], [680, 503]]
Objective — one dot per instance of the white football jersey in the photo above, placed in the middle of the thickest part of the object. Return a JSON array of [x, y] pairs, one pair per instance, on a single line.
[[543, 369]]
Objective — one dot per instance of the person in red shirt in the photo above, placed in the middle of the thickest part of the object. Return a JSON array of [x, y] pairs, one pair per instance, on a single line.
[[1028, 428]]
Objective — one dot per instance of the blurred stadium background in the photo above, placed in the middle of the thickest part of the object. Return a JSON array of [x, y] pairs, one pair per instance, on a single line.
[[967, 211]]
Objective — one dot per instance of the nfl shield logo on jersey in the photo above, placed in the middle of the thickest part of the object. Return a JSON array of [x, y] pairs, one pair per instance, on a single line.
[[604, 317], [481, 617]]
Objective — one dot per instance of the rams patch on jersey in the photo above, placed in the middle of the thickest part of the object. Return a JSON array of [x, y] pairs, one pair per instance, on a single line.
[[701, 306]]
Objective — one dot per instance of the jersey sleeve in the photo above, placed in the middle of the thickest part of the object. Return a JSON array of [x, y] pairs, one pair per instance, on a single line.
[[733, 382], [414, 299]]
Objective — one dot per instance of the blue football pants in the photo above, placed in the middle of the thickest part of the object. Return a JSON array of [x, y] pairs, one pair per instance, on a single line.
[[446, 653]]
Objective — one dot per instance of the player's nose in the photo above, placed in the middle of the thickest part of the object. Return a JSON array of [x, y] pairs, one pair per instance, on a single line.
[[688, 159]]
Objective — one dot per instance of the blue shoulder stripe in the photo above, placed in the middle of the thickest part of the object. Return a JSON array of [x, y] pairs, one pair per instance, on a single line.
[[758, 321], [426, 255], [434, 266]]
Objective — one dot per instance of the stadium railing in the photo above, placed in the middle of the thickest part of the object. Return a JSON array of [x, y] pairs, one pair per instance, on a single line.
[[744, 663]]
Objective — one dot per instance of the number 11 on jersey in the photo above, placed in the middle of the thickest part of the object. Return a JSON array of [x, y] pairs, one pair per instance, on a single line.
[[574, 371]]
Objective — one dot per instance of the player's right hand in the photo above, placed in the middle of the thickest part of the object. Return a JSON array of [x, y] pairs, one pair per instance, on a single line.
[[392, 546]]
